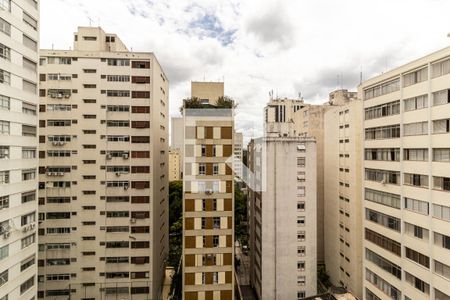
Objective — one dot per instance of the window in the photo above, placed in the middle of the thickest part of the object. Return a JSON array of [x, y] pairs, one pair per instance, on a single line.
[[416, 231], [383, 132], [301, 205], [28, 130], [301, 162], [441, 154], [417, 283], [5, 77], [301, 295], [118, 78], [301, 236], [117, 93], [118, 62], [4, 252], [419, 128], [215, 169], [301, 265], [28, 174], [416, 103], [5, 5], [4, 127], [441, 212], [300, 221], [4, 152], [416, 180], [383, 176], [441, 183], [440, 68], [417, 206], [118, 108], [215, 241], [140, 64], [29, 20], [5, 52], [27, 219], [382, 154], [383, 110], [301, 280], [28, 86], [5, 27], [415, 154], [417, 257], [27, 241], [441, 97], [4, 202], [441, 126], [382, 89], [4, 177], [415, 77], [383, 242], [383, 285], [384, 264], [442, 240], [383, 219], [301, 192], [3, 277], [5, 102]]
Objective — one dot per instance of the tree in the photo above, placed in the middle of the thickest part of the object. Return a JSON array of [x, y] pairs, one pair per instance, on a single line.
[[225, 102], [240, 214], [175, 201]]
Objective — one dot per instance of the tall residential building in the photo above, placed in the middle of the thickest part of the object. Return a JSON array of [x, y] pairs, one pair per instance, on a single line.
[[174, 164], [282, 197], [238, 153], [407, 180], [103, 172], [19, 35], [342, 191], [177, 140], [208, 198]]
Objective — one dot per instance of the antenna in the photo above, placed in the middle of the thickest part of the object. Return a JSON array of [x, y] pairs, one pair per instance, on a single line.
[[90, 21], [361, 75]]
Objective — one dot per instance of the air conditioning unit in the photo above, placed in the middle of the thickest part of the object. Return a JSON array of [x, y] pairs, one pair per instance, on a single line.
[[6, 234], [209, 192], [32, 226], [61, 143], [60, 96], [49, 173], [125, 187], [66, 96], [60, 173], [133, 220], [383, 181], [125, 156], [55, 143], [108, 156], [117, 173], [25, 228]]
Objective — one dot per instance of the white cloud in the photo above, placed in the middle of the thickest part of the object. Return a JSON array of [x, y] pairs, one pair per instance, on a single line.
[[289, 46]]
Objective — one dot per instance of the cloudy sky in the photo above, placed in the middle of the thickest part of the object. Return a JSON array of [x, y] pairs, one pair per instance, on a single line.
[[288, 46]]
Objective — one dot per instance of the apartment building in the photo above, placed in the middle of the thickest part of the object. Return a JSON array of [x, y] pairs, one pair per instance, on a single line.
[[19, 43], [103, 170], [174, 164], [342, 191], [282, 197], [407, 181], [238, 154], [177, 140], [208, 197]]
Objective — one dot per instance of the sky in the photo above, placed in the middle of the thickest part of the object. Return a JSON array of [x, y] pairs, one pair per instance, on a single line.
[[293, 47]]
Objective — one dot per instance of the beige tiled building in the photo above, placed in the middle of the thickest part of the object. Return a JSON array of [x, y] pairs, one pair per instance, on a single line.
[[407, 181], [103, 170], [174, 164], [208, 198], [177, 140], [342, 191], [19, 58], [282, 218]]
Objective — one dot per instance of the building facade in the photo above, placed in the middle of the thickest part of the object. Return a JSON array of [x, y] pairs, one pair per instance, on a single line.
[[103, 170], [208, 198], [19, 58], [174, 164], [282, 220], [407, 181], [342, 191]]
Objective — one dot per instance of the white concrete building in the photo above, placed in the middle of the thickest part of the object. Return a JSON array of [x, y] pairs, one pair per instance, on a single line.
[[19, 36], [342, 191], [103, 172], [407, 181], [177, 140], [283, 237]]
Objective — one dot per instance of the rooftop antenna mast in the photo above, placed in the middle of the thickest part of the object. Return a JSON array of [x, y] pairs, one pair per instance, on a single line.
[[90, 21]]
